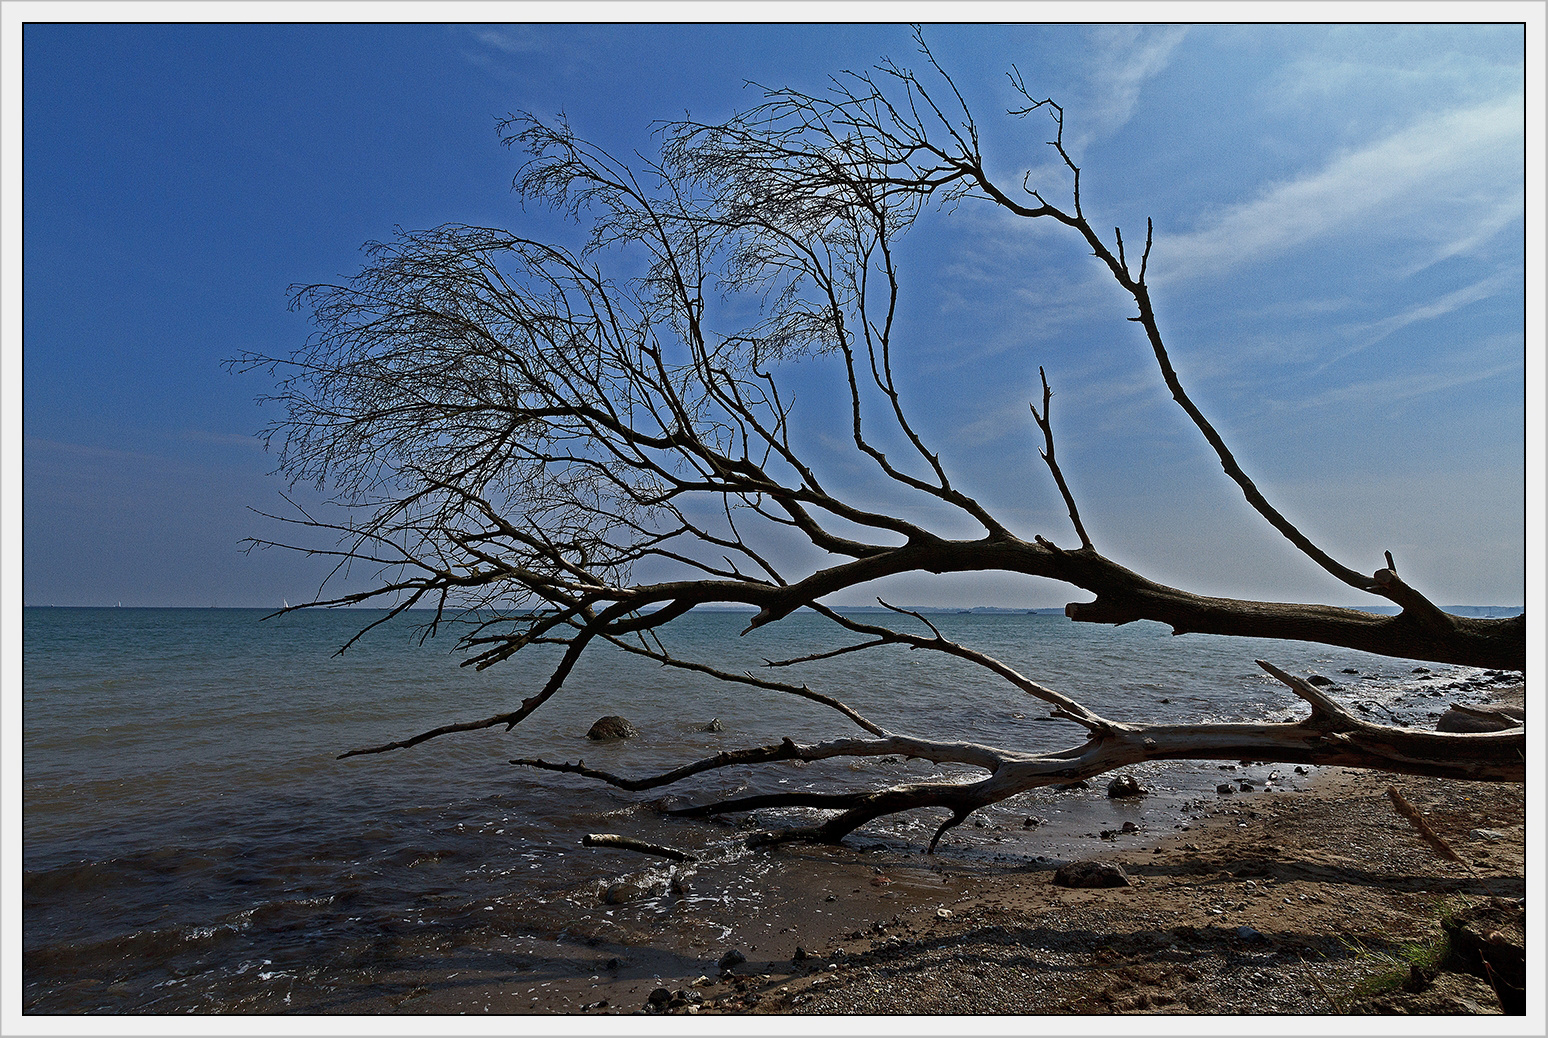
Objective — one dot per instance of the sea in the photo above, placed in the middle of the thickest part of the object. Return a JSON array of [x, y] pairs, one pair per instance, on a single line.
[[192, 842]]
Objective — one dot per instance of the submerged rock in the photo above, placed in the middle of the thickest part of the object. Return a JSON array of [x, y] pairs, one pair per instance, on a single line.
[[612, 727], [623, 891]]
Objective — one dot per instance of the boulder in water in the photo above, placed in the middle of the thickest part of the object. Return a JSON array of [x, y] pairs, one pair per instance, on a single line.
[[612, 727]]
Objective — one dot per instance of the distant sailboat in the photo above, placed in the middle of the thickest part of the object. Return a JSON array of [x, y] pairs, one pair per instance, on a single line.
[[287, 602]]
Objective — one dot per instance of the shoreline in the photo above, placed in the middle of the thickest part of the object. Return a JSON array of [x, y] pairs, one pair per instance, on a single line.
[[1269, 903], [873, 925]]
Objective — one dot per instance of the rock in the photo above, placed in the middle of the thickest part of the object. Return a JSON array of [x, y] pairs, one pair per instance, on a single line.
[[659, 997], [943, 913], [713, 726], [1130, 827], [1225, 787], [1091, 874], [668, 803], [612, 727], [1487, 835], [1301, 771], [730, 959], [1349, 670], [800, 954], [1125, 786], [1420, 670], [1247, 933], [622, 893], [1032, 822], [1318, 679]]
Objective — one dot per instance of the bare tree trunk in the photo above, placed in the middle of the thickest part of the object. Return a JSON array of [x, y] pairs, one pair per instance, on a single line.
[[1331, 735]]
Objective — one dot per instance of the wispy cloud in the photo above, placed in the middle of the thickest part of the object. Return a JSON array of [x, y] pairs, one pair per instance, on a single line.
[[1486, 358], [1407, 386], [512, 39], [1369, 335], [1448, 167], [1124, 57]]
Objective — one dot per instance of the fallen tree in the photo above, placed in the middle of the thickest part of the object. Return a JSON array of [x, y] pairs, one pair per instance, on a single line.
[[526, 426]]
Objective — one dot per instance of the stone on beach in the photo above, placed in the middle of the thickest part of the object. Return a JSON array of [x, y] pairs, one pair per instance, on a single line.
[[1091, 874], [1125, 786]]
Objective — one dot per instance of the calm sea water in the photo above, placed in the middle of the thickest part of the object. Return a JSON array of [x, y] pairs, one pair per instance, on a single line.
[[191, 842]]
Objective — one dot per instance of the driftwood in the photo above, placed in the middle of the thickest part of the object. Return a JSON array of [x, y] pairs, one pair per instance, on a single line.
[[629, 843], [519, 430], [1330, 735]]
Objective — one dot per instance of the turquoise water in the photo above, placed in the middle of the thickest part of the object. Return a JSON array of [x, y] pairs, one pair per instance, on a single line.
[[191, 840]]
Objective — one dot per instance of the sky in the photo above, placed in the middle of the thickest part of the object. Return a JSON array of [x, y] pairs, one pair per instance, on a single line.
[[1339, 269]]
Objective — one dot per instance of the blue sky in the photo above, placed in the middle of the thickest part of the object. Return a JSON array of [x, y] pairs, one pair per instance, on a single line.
[[1339, 269]]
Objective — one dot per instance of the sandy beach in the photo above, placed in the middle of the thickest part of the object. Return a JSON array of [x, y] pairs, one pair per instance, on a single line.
[[1316, 899]]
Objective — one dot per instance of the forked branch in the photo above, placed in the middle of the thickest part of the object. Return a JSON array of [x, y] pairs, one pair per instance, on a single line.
[[1329, 735]]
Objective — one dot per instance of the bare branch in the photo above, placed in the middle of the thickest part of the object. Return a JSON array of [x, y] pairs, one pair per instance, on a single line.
[[1044, 423]]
